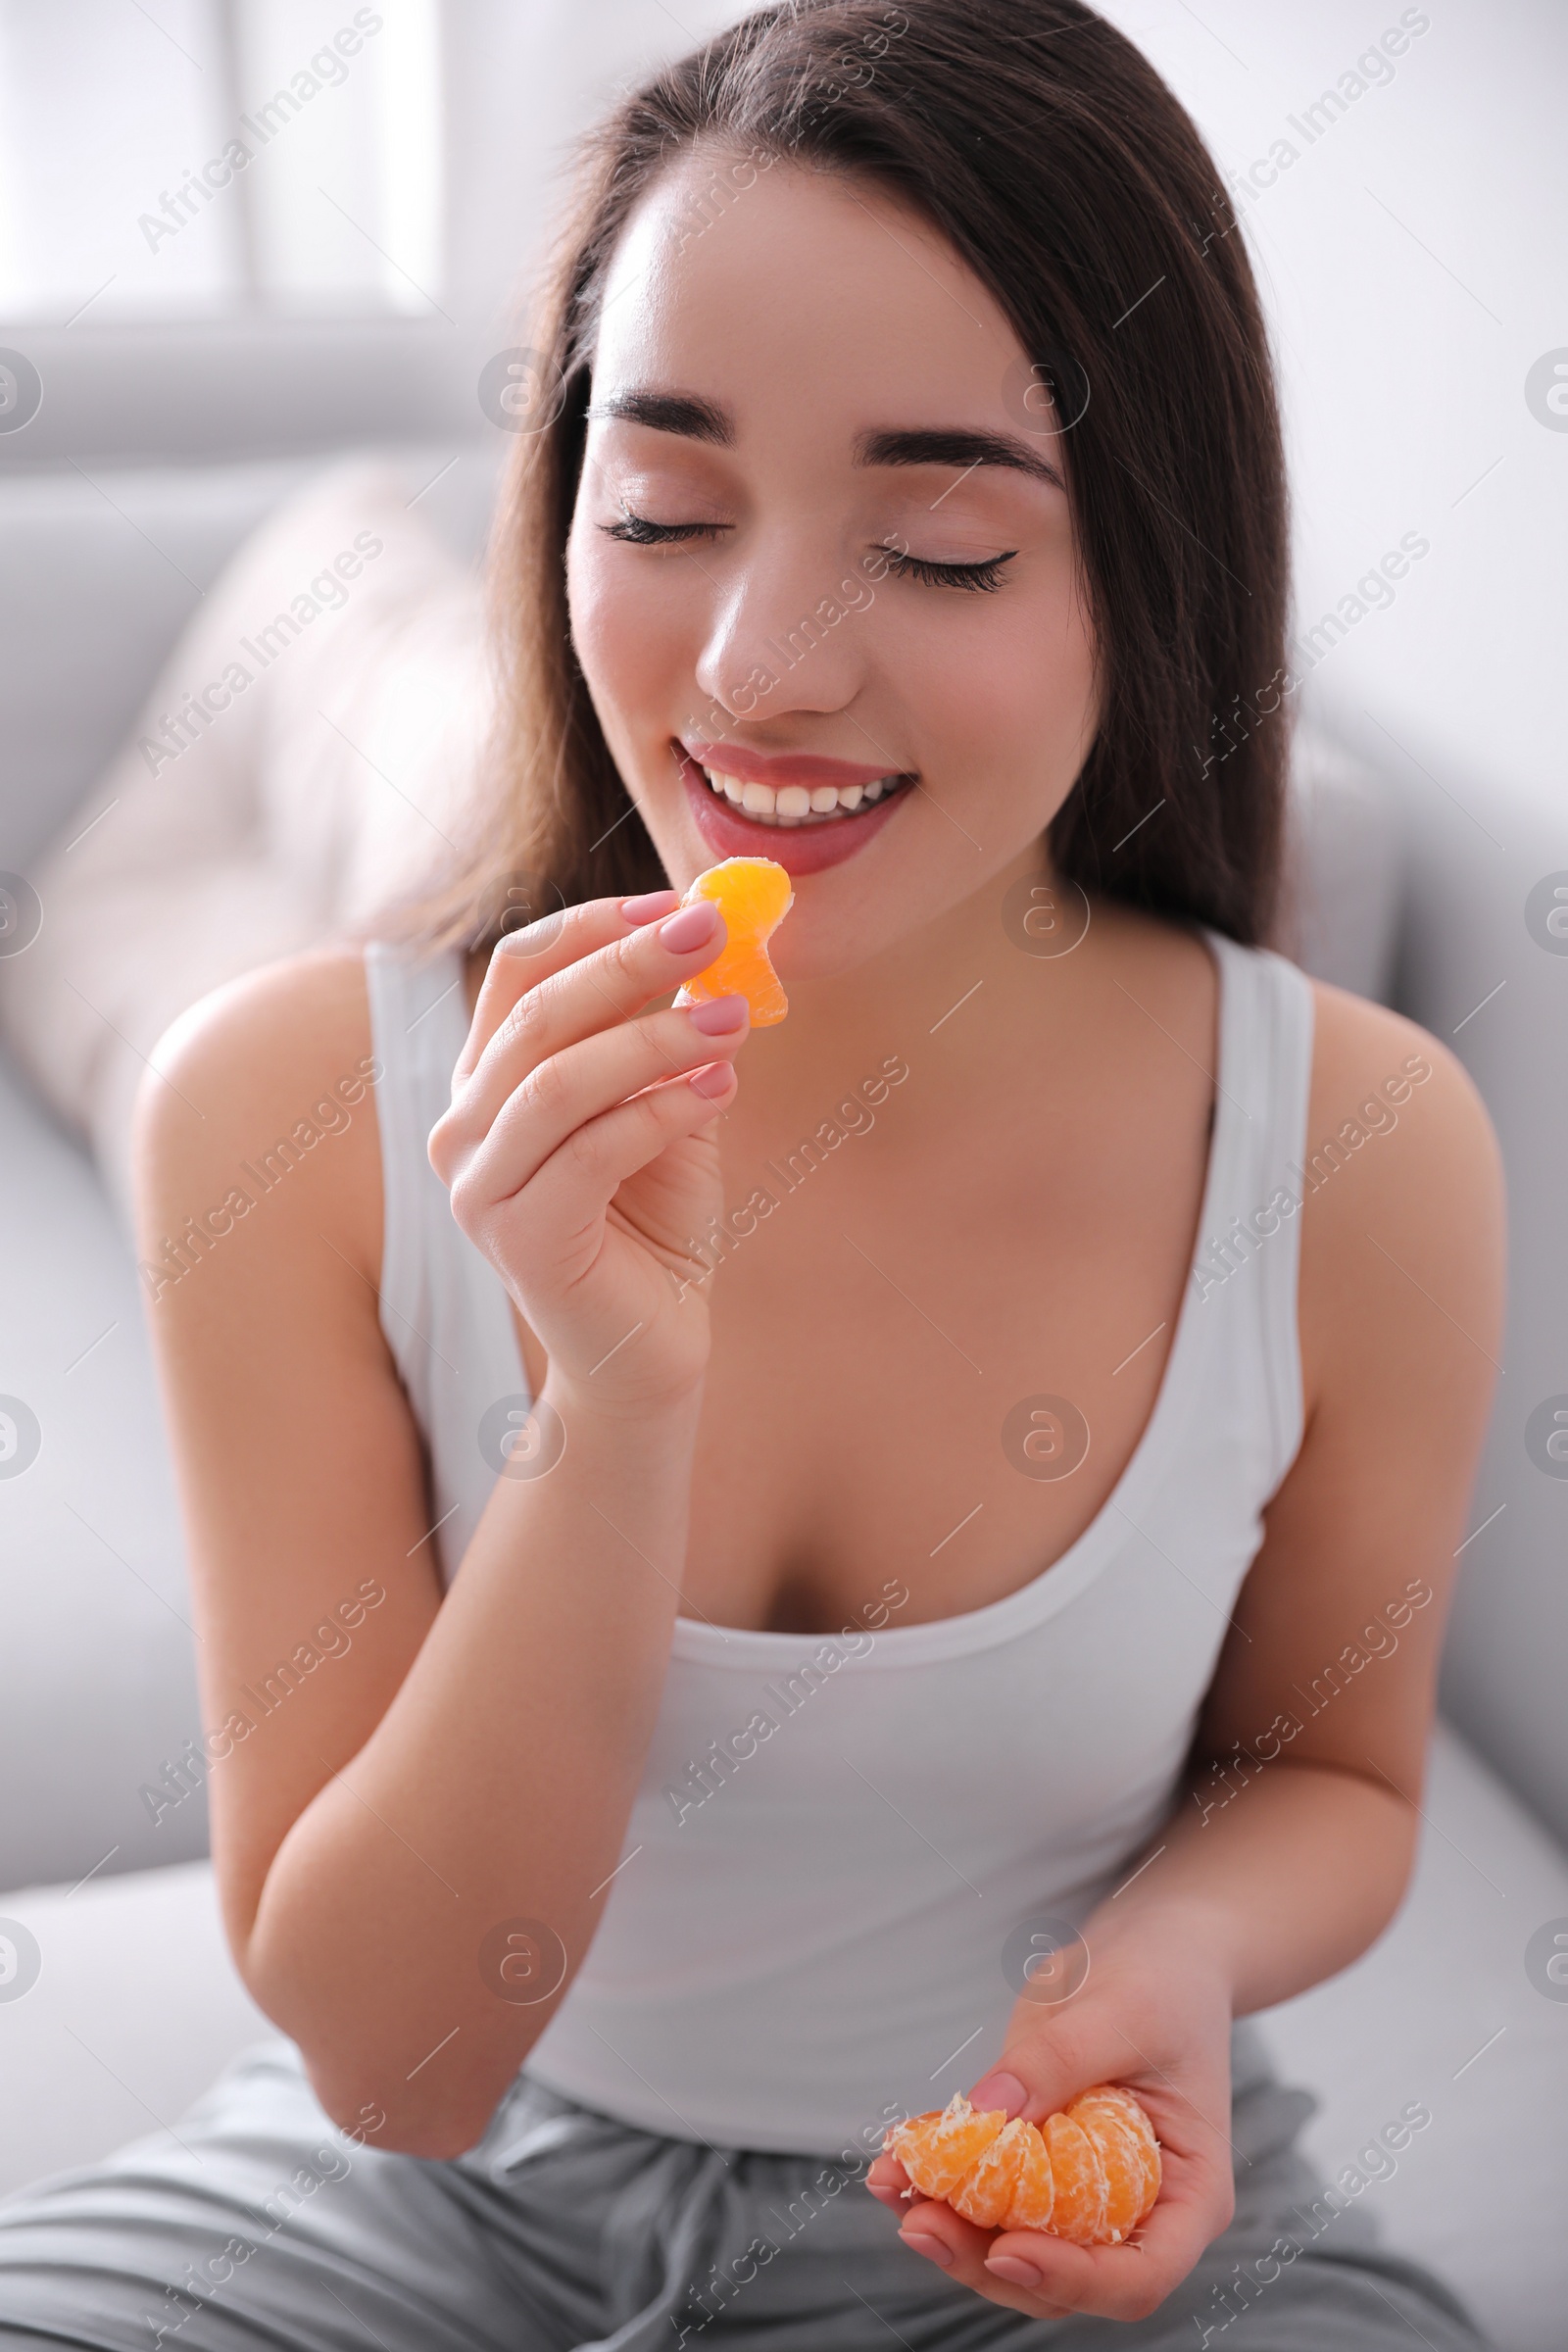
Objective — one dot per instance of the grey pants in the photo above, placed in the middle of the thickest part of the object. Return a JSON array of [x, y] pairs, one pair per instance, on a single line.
[[256, 2227]]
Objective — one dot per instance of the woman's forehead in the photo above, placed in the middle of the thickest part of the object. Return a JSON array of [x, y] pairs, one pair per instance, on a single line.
[[796, 283]]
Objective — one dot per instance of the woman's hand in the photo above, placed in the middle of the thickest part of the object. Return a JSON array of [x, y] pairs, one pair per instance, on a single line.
[[1154, 2014], [573, 1150]]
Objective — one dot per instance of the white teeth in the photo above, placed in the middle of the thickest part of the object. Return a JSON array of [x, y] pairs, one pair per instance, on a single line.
[[794, 804]]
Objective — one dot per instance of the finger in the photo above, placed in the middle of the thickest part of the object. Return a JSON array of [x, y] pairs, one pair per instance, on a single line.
[[579, 1180], [889, 2183], [943, 2237], [1044, 2068], [1048, 2277], [520, 959], [1049, 2062], [1124, 2283], [587, 1080], [1108, 2282], [581, 998]]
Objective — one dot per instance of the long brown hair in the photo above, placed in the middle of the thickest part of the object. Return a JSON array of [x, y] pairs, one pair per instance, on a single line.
[[1049, 154]]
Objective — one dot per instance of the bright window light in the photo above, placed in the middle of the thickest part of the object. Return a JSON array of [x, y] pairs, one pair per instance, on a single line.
[[219, 157]]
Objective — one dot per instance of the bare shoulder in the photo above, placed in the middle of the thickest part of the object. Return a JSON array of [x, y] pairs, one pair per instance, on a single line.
[[1400, 1192], [244, 1091], [271, 1027], [1404, 1216], [1376, 1074]]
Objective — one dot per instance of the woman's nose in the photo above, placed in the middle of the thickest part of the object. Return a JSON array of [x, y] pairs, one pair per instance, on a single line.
[[788, 635]]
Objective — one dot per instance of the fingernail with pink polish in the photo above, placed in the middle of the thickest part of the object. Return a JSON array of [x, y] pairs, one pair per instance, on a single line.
[[1000, 2091], [691, 927], [648, 904], [719, 1018], [1015, 2273], [931, 2248]]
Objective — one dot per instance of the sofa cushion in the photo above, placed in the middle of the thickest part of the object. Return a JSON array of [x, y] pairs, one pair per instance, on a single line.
[[299, 761], [102, 568], [97, 1662], [136, 2006], [100, 572], [1451, 2011]]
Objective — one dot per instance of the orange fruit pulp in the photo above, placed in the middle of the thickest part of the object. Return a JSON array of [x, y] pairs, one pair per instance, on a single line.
[[1089, 2174], [753, 896]]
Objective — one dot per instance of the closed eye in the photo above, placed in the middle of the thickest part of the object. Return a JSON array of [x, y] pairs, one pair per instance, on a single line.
[[985, 575], [637, 531]]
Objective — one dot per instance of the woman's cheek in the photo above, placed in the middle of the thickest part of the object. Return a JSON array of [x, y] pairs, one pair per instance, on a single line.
[[590, 612], [626, 641], [1012, 702]]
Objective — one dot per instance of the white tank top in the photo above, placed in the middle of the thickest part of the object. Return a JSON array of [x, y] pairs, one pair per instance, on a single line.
[[819, 1925]]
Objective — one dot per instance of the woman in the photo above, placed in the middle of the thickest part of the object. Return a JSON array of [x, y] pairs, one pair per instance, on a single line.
[[926, 1477]]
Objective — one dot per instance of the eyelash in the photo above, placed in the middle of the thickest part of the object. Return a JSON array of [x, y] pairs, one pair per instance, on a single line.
[[638, 531], [635, 530], [984, 577]]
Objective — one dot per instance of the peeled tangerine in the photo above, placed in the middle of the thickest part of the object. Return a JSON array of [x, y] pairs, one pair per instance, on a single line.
[[753, 896], [1089, 2174]]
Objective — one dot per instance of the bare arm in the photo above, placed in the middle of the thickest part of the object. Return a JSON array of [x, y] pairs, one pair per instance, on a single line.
[[459, 1762], [1295, 1836], [1289, 1849], [495, 1787]]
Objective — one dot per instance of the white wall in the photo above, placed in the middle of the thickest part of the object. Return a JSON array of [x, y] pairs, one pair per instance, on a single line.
[[1412, 263]]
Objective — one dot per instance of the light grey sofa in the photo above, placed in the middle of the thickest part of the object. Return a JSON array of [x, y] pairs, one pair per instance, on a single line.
[[1412, 889]]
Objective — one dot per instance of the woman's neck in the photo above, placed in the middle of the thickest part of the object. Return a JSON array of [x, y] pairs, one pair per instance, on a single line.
[[997, 967]]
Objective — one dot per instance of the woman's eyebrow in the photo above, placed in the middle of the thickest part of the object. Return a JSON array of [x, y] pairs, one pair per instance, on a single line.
[[669, 412], [956, 446], [696, 420]]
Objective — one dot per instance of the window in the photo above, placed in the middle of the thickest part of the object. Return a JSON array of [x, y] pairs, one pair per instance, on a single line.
[[182, 159]]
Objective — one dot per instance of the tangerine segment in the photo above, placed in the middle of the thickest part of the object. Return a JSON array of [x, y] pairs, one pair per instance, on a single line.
[[1079, 2210], [753, 896], [936, 2150], [1110, 2102], [1034, 2192], [986, 2193], [1122, 2163], [1089, 2174]]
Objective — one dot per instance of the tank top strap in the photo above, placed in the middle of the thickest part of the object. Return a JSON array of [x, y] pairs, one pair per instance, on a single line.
[[444, 1312], [443, 1308], [1253, 1235]]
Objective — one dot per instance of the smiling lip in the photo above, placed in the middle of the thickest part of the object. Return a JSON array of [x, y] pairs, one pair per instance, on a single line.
[[781, 767], [799, 850]]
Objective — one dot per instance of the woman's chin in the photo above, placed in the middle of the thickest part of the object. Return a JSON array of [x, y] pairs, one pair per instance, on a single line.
[[818, 955]]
